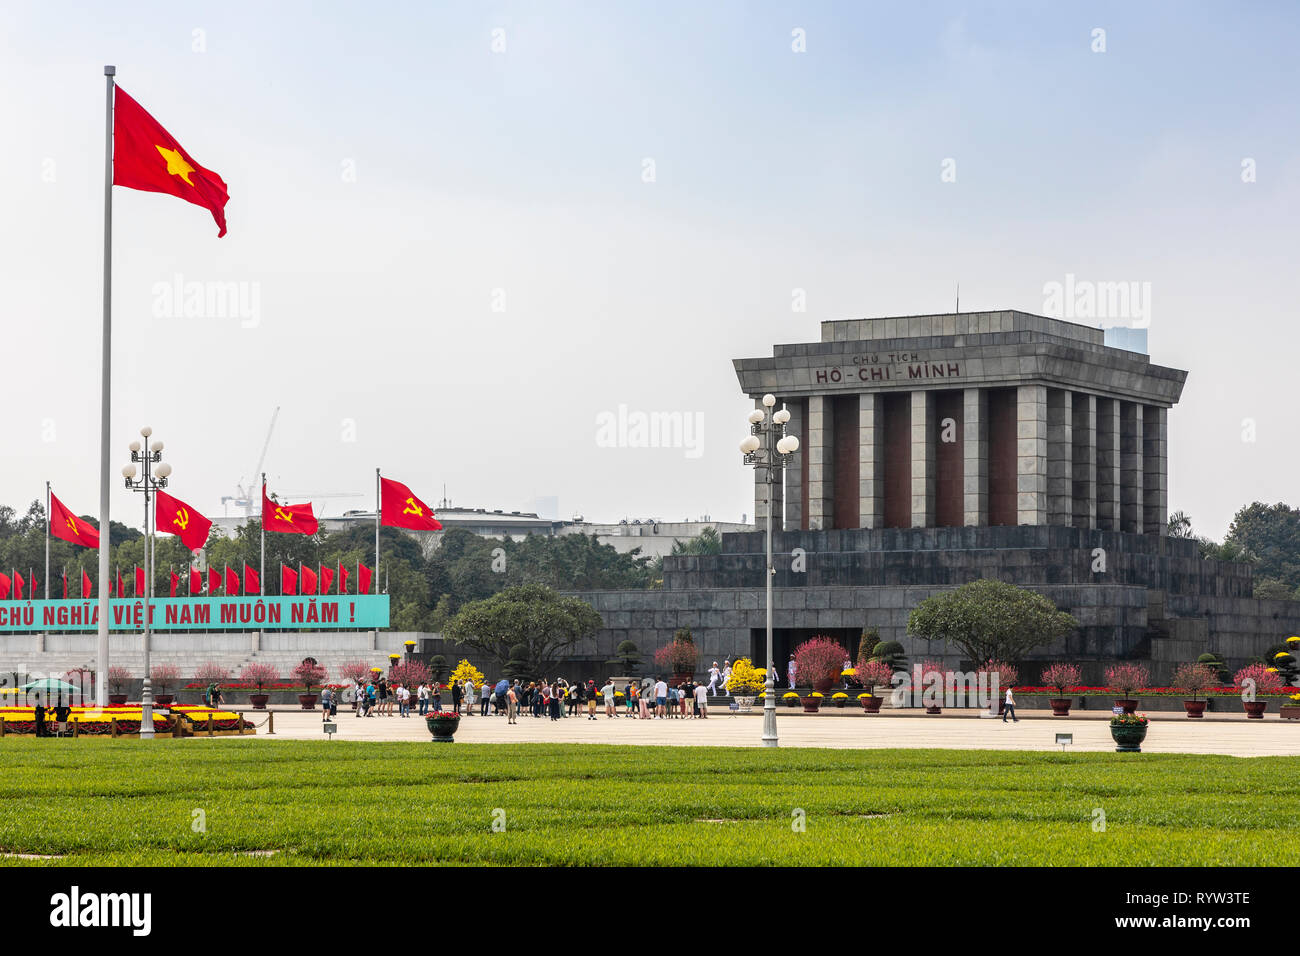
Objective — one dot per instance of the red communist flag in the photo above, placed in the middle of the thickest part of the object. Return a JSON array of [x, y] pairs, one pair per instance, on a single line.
[[5, 585], [64, 524], [232, 581], [326, 579], [363, 579], [176, 517], [139, 581], [196, 581], [176, 582], [87, 585], [288, 580], [343, 580], [214, 580], [399, 508], [287, 519], [146, 157], [252, 582], [308, 577]]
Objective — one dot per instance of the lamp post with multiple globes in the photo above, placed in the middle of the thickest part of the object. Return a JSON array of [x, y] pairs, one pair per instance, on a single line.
[[768, 446]]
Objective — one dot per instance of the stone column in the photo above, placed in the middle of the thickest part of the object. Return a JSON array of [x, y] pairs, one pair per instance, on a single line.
[[1031, 454], [820, 463], [975, 458], [1060, 457], [1130, 458], [1083, 434], [798, 427], [871, 460], [1108, 460], [1155, 470], [923, 471]]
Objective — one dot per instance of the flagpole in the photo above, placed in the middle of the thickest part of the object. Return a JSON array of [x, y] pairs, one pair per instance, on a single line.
[[377, 506], [105, 386], [47, 541], [261, 567]]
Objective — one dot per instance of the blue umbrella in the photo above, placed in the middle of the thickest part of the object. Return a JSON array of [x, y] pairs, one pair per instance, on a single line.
[[503, 685]]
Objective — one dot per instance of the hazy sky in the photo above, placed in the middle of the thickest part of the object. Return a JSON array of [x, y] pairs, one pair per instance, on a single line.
[[458, 264]]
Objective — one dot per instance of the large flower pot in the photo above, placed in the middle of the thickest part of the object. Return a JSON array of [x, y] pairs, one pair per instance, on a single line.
[[1290, 711], [822, 686], [1255, 708], [682, 677], [116, 700], [791, 701], [442, 728], [1128, 703], [872, 704], [1060, 706], [1194, 708], [811, 704], [258, 700], [308, 701], [164, 700], [1128, 737]]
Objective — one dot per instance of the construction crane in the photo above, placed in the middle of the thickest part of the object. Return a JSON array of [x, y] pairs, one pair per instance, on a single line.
[[246, 498]]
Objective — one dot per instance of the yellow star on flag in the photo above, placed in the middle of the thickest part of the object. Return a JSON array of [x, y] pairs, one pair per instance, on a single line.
[[176, 164]]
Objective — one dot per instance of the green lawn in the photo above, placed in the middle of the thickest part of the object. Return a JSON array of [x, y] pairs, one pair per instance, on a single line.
[[123, 802]]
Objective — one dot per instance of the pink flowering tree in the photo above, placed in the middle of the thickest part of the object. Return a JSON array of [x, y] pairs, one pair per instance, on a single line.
[[259, 674], [1257, 679], [409, 674], [1008, 674], [819, 661], [118, 679], [1062, 677], [164, 676], [210, 672], [309, 674], [874, 674], [1194, 678], [1125, 679], [356, 671]]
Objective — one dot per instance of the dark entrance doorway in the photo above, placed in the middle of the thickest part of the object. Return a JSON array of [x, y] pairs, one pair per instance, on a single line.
[[786, 639]]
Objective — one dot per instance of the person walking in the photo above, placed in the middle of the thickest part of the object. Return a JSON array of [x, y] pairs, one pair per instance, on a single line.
[[715, 675], [661, 698], [789, 672], [372, 698], [726, 678], [404, 699], [1009, 707], [422, 698]]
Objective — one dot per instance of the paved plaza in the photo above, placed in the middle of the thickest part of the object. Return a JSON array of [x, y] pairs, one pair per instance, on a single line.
[[1232, 735]]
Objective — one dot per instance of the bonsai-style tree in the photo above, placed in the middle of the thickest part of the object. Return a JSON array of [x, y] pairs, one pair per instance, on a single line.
[[874, 673], [1220, 671], [1062, 677], [518, 667], [1257, 679], [259, 674], [1124, 679], [819, 661], [746, 680], [309, 674], [891, 652], [119, 678], [409, 673], [1194, 678], [627, 658], [529, 614], [438, 668], [164, 676], [990, 619]]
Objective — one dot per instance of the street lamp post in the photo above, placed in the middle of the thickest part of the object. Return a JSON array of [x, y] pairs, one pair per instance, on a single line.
[[768, 446], [151, 479]]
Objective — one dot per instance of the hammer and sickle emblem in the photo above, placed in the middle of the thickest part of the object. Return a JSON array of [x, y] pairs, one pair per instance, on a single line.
[[182, 518], [413, 509], [73, 525], [284, 515]]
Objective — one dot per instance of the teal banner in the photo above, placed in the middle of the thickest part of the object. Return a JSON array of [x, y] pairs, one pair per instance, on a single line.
[[328, 612]]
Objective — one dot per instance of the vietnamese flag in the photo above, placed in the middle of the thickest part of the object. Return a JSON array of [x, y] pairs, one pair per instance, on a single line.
[[176, 581], [343, 580], [326, 579], [232, 581], [139, 581], [287, 519], [308, 578], [146, 157], [5, 585], [363, 578], [67, 526], [288, 580], [252, 583], [87, 585], [196, 581], [174, 516], [214, 580], [399, 508]]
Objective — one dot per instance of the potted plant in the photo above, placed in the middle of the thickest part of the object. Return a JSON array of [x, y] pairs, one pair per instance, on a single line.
[[309, 674], [1255, 679], [1125, 680], [161, 677], [259, 675], [1128, 731], [1291, 711], [209, 673], [681, 657], [840, 698], [1192, 679], [812, 703], [119, 679], [791, 698], [745, 683], [1061, 677], [927, 668], [442, 725], [1008, 676], [819, 661], [410, 647], [873, 674]]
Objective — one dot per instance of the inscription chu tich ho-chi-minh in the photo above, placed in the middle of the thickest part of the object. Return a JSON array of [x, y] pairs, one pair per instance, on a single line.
[[887, 367]]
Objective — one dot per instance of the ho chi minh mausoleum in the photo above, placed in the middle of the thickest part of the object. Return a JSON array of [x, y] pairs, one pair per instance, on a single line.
[[940, 449]]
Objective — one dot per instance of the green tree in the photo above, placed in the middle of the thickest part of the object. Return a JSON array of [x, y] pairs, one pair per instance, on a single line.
[[1180, 525], [1272, 534], [531, 615], [707, 542], [990, 619]]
